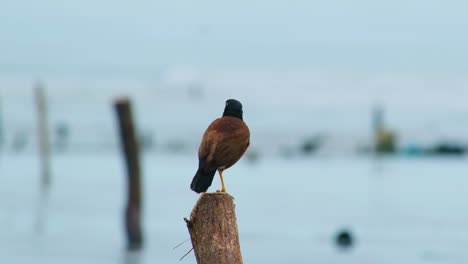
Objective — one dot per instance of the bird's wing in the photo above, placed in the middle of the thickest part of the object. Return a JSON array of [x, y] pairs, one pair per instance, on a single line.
[[224, 143], [207, 147]]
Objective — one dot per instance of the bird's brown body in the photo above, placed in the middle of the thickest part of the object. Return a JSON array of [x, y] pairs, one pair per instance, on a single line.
[[224, 142]]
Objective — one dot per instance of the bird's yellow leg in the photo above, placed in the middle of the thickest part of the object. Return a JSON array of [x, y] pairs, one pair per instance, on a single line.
[[223, 188]]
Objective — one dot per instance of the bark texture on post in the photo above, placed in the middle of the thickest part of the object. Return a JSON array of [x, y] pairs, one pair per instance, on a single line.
[[131, 153], [213, 230]]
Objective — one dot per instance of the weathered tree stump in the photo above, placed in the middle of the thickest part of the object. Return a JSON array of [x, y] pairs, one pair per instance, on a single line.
[[213, 230]]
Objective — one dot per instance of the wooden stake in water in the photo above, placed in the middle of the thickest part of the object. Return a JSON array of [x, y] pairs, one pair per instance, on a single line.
[[131, 153], [2, 133], [43, 134]]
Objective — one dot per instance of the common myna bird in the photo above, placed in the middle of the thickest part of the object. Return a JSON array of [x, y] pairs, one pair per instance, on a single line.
[[225, 141]]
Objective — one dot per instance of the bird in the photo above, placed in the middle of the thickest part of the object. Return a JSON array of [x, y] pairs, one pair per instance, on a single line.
[[224, 142]]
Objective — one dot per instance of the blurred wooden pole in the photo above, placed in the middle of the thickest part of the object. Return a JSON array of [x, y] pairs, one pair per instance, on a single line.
[[131, 153], [213, 230], [43, 134]]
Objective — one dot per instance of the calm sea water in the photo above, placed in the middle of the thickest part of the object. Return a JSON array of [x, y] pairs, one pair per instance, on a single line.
[[399, 210]]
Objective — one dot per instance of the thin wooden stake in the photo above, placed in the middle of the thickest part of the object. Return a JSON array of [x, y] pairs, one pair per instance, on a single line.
[[43, 135], [131, 153]]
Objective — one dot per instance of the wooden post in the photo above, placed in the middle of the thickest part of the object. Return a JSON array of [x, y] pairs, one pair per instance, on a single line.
[[213, 230], [43, 135], [131, 153]]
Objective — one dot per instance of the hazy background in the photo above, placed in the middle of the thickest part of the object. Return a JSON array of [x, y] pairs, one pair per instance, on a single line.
[[304, 70], [332, 56]]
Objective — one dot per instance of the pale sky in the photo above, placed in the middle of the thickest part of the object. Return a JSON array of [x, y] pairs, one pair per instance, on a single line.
[[362, 37]]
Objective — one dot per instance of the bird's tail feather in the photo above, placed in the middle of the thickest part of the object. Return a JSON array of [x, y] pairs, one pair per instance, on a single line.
[[202, 180]]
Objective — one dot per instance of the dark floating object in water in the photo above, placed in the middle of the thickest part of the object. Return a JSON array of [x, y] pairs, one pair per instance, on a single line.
[[437, 149], [448, 149], [344, 239], [311, 144], [62, 136]]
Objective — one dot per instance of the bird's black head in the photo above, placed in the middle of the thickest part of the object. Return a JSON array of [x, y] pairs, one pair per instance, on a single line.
[[233, 108]]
